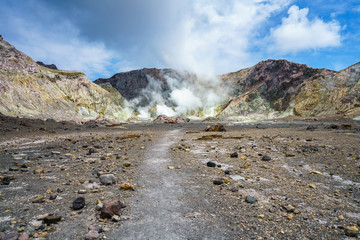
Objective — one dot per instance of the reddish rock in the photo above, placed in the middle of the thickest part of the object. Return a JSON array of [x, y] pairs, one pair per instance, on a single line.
[[24, 236], [111, 208]]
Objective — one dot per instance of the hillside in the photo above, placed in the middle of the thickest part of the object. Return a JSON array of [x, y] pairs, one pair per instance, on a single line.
[[277, 88], [29, 90]]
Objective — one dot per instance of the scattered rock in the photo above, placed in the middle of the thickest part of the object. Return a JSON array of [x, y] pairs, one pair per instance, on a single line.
[[92, 235], [82, 191], [351, 231], [313, 186], [217, 127], [78, 203], [211, 164], [38, 170], [112, 208], [289, 154], [250, 199], [53, 197], [234, 155], [52, 219], [38, 199], [218, 181], [266, 158], [127, 186], [107, 179], [311, 128], [5, 181], [115, 218], [24, 236]]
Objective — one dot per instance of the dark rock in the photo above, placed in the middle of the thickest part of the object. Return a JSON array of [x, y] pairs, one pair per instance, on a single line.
[[211, 164], [24, 166], [250, 199], [52, 219], [311, 128], [51, 66], [227, 172], [334, 126], [217, 127], [53, 197], [234, 155], [218, 181], [266, 158], [111, 208], [5, 181], [78, 203]]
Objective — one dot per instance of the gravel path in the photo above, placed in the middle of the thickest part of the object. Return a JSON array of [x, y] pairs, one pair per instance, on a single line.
[[157, 211]]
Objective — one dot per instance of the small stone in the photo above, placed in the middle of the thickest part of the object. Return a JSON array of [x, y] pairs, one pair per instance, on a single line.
[[234, 155], [24, 236], [107, 179], [92, 235], [290, 208], [127, 186], [211, 164], [266, 158], [337, 192], [289, 154], [112, 208], [126, 164], [171, 167], [82, 191], [5, 181], [14, 169], [261, 216], [41, 217], [218, 181], [313, 186], [52, 219], [38, 170], [53, 197], [115, 218], [78, 203], [351, 231], [250, 199], [290, 217], [38, 199], [341, 217], [217, 127]]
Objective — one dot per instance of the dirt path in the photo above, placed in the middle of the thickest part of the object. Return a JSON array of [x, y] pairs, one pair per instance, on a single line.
[[157, 211]]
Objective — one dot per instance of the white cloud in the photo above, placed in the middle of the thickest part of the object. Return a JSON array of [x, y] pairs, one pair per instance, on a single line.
[[63, 46], [297, 32], [216, 36]]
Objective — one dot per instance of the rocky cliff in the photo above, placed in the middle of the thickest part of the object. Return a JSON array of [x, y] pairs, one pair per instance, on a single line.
[[33, 91], [277, 88]]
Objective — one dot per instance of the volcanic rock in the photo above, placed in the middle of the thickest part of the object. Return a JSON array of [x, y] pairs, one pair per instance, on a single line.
[[78, 203], [107, 179], [112, 208], [217, 127]]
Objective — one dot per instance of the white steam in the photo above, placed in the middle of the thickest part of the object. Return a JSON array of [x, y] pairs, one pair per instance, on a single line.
[[181, 94]]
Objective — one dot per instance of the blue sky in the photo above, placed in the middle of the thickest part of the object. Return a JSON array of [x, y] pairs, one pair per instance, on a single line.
[[105, 37]]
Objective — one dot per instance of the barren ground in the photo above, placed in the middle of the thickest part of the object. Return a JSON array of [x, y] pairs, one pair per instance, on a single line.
[[310, 189]]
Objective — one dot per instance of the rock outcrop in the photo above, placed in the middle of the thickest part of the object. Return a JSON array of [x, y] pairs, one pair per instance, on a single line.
[[277, 88], [51, 66], [29, 90]]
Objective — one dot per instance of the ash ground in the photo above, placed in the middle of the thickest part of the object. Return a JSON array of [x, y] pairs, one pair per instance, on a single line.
[[310, 189]]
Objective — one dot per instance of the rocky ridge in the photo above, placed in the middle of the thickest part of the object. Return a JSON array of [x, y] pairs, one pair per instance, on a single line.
[[277, 88], [32, 91]]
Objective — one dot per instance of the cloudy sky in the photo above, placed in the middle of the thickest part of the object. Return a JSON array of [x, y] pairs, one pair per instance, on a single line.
[[103, 37]]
